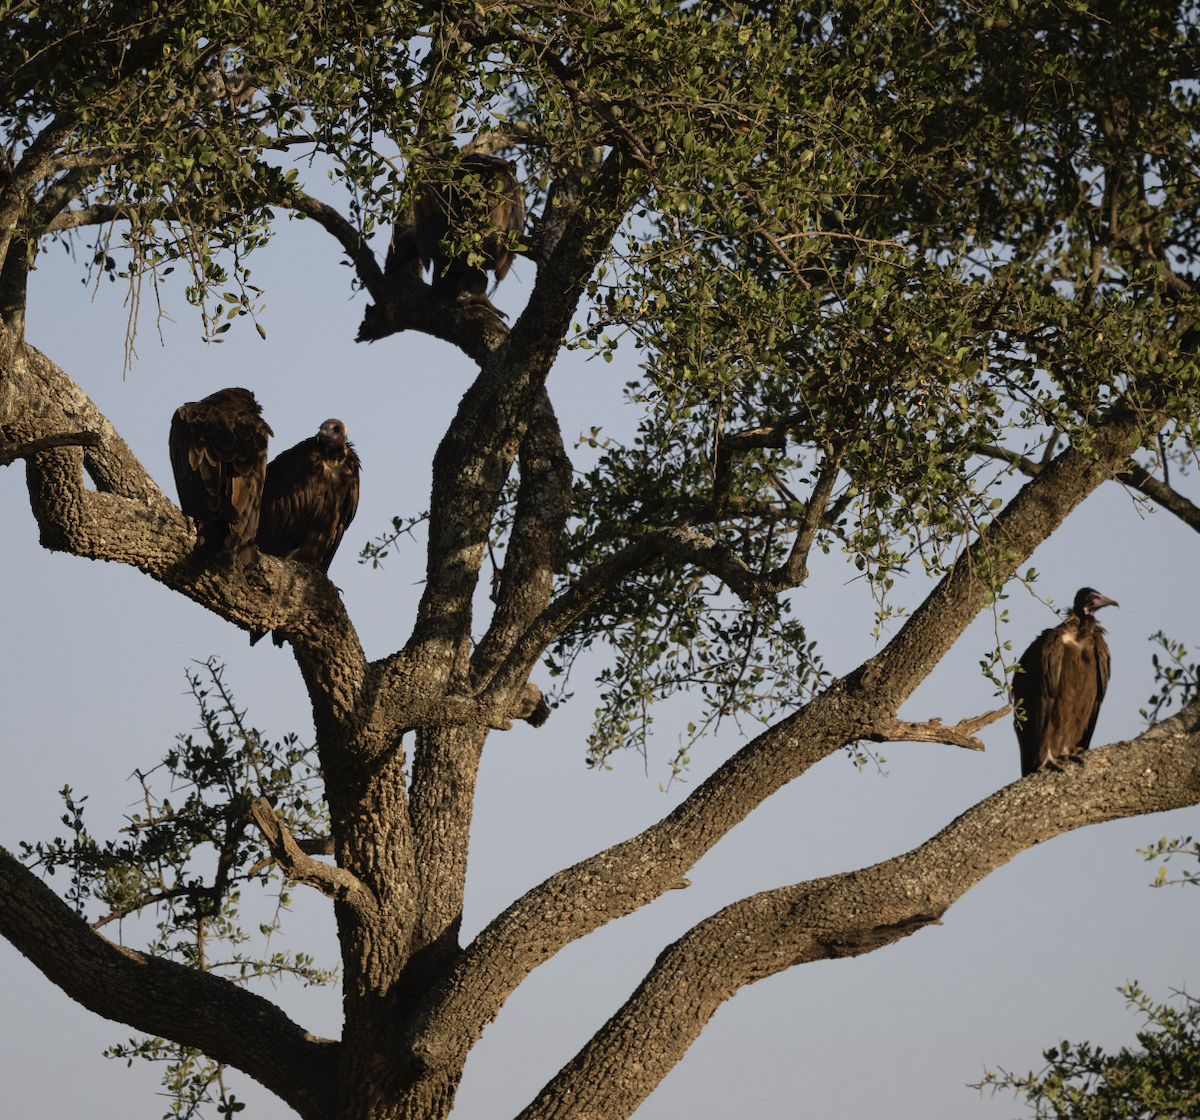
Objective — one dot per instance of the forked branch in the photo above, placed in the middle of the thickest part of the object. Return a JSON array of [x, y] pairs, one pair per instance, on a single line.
[[335, 882], [962, 734], [128, 519]]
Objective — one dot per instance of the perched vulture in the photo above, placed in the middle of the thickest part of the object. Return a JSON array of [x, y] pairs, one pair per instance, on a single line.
[[482, 187], [1060, 681], [310, 497], [219, 456]]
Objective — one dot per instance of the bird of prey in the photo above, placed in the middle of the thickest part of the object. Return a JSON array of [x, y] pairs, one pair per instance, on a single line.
[[1060, 681], [482, 188], [310, 497], [219, 457]]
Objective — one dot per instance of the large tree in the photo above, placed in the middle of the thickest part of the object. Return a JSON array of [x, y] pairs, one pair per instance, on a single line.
[[879, 262]]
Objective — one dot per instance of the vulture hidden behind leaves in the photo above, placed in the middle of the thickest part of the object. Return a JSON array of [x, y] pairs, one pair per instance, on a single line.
[[482, 187]]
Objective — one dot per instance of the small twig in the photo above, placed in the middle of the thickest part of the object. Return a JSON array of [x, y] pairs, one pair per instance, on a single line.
[[1167, 497], [1025, 465], [11, 452], [960, 735], [137, 907]]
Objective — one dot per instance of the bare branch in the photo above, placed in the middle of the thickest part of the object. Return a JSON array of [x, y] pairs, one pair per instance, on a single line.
[[352, 241], [962, 734], [1025, 466], [794, 571], [98, 215], [11, 452], [227, 1022], [858, 912], [1167, 497], [298, 865]]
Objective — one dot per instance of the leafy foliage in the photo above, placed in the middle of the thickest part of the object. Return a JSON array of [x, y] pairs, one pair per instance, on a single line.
[[188, 861], [1175, 678], [893, 245], [927, 242], [1161, 1081], [1164, 849]]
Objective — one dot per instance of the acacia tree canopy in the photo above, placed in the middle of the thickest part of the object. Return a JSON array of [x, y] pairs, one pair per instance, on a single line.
[[878, 261]]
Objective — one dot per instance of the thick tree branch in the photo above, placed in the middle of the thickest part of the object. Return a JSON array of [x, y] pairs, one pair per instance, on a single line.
[[128, 519], [1035, 512], [629, 875], [446, 761], [860, 911], [543, 504], [441, 802], [476, 455], [405, 302], [10, 453], [1133, 475], [159, 997], [298, 865]]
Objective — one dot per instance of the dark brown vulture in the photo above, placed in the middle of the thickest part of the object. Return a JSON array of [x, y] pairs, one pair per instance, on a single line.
[[482, 187], [219, 456], [1060, 681], [310, 497]]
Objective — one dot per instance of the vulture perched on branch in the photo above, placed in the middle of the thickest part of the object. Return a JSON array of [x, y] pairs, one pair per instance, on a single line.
[[482, 189], [310, 497], [219, 457], [1059, 684]]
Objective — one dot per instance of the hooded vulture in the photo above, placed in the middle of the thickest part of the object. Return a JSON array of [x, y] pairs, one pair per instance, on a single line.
[[1059, 684], [310, 497], [219, 457], [483, 188]]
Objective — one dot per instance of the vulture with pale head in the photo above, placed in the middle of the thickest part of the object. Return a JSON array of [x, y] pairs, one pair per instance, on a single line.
[[481, 187], [310, 497], [219, 457], [1059, 684]]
